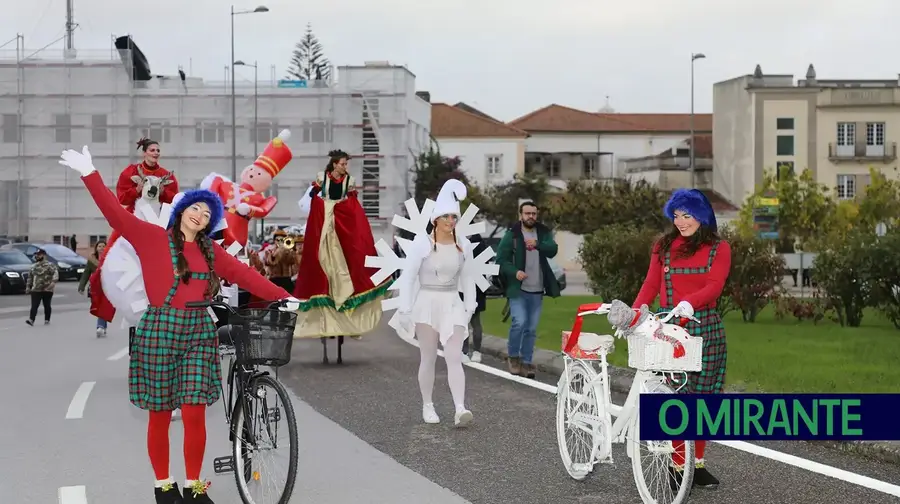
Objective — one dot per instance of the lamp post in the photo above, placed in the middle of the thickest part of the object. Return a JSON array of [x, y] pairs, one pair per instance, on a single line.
[[261, 8], [694, 57], [255, 112]]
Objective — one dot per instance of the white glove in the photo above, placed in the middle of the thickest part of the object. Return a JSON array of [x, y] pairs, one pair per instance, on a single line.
[[243, 208], [683, 309], [78, 161], [292, 304]]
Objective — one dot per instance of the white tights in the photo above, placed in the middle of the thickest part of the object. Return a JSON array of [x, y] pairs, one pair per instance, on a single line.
[[428, 347]]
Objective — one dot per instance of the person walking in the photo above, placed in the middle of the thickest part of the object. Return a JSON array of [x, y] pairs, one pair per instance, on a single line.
[[523, 256], [92, 265], [40, 284]]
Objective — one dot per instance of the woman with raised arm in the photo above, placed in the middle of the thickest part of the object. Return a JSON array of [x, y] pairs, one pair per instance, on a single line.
[[174, 354], [688, 269]]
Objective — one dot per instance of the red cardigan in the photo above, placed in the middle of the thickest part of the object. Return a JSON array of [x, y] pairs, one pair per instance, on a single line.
[[127, 189], [700, 290], [151, 244]]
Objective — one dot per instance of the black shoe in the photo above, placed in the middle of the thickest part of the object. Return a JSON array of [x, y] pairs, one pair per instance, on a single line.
[[169, 494], [676, 476], [196, 494], [29, 322], [703, 479]]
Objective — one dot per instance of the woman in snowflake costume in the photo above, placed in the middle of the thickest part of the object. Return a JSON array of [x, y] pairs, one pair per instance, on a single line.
[[333, 283], [174, 355], [438, 267], [688, 269]]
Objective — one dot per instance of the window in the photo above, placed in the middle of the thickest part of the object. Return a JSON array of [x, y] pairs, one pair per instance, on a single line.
[[492, 165], [158, 131], [589, 167], [785, 168], [10, 128], [875, 139], [785, 123], [846, 186], [209, 132], [264, 132], [98, 128], [554, 167], [97, 238], [785, 145], [63, 128], [316, 132], [846, 139]]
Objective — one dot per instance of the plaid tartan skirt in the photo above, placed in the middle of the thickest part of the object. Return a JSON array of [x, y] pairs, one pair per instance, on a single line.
[[711, 377], [174, 360]]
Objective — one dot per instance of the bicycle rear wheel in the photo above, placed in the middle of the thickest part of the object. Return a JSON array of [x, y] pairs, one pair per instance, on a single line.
[[258, 420], [578, 409]]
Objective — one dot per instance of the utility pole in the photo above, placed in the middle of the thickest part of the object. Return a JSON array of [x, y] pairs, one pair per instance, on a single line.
[[694, 57], [70, 28]]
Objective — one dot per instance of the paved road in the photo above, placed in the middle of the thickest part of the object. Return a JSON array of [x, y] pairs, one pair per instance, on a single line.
[[16, 306], [362, 439]]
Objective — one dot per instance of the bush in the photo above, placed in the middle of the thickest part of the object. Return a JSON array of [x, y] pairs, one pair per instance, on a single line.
[[616, 259], [883, 271], [815, 309], [844, 271], [755, 277]]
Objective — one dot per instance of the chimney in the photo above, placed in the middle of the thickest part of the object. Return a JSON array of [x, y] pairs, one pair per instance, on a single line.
[[425, 95]]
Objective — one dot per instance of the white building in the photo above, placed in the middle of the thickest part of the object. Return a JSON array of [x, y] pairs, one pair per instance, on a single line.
[[491, 152], [566, 143], [49, 103]]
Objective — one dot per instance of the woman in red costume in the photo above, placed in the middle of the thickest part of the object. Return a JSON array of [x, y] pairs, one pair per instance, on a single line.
[[174, 358], [128, 192], [333, 283], [688, 269]]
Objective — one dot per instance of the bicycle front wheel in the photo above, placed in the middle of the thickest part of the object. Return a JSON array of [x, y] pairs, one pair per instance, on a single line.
[[265, 439], [579, 414]]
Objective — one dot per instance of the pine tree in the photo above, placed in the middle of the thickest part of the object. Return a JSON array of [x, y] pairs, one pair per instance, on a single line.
[[308, 61]]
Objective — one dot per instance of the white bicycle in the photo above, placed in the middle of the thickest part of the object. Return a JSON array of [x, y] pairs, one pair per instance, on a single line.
[[584, 411]]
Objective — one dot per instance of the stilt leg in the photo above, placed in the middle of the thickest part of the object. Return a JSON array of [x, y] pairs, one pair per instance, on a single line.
[[324, 350], [340, 345]]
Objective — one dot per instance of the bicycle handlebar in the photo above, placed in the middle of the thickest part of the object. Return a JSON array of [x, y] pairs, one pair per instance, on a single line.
[[219, 303]]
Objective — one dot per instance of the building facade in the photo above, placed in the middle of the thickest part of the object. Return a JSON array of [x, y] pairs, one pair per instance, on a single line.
[[490, 151], [566, 143], [49, 103], [837, 129]]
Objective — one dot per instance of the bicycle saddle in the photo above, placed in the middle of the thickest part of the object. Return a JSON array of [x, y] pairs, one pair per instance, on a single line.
[[590, 342]]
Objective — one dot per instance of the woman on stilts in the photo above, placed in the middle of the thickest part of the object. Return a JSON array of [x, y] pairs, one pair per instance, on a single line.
[[174, 354], [688, 269]]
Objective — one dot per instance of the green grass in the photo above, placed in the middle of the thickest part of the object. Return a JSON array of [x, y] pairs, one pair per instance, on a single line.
[[768, 356]]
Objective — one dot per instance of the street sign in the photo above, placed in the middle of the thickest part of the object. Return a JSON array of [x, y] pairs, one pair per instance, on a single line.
[[765, 216], [291, 83]]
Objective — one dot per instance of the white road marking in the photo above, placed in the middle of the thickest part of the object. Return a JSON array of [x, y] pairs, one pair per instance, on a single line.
[[72, 495], [118, 355], [79, 400], [802, 463]]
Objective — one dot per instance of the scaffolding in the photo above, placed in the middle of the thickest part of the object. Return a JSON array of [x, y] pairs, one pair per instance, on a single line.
[[51, 100]]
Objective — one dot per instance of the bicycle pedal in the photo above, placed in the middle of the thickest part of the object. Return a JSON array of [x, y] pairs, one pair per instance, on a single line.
[[274, 414], [223, 465]]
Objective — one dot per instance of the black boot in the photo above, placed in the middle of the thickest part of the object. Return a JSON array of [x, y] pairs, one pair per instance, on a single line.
[[703, 478], [196, 494], [676, 476], [168, 494]]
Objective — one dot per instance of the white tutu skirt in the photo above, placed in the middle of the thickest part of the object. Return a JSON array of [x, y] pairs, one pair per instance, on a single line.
[[442, 310]]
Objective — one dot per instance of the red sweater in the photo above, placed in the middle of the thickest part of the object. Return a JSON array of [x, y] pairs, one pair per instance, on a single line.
[[700, 290], [127, 189], [151, 244]]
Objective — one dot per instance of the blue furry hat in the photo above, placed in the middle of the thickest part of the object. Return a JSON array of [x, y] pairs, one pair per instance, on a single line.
[[183, 200], [693, 202]]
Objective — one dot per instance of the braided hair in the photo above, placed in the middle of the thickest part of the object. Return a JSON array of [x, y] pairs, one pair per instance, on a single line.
[[181, 265]]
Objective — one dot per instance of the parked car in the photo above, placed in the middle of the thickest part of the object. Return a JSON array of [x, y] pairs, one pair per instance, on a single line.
[[70, 264], [14, 268]]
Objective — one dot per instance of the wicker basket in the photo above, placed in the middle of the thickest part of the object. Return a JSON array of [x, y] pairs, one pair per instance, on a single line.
[[653, 354]]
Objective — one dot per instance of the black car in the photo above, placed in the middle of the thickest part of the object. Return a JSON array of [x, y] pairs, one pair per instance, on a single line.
[[70, 264], [14, 268]]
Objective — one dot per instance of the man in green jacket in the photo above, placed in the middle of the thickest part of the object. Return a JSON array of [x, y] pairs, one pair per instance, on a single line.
[[522, 255]]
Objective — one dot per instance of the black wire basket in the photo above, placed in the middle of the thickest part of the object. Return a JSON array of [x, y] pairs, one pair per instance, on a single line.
[[263, 337]]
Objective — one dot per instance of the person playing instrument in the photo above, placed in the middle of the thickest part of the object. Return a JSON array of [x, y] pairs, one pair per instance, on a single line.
[[174, 354], [282, 262], [129, 189], [336, 290], [688, 269]]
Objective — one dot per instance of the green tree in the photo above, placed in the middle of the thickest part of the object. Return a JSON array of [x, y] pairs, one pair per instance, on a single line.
[[308, 61], [883, 265], [843, 270], [755, 277], [587, 206], [616, 259], [880, 201], [500, 203], [432, 169]]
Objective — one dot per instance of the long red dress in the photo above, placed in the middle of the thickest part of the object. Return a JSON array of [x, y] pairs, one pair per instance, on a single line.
[[126, 191], [338, 238]]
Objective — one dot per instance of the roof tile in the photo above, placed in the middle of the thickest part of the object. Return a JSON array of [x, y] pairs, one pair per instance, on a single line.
[[566, 119], [448, 121]]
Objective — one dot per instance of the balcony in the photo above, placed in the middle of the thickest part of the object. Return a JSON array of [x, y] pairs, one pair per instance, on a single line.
[[862, 153]]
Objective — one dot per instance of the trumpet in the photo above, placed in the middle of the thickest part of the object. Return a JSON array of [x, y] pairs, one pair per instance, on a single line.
[[288, 243]]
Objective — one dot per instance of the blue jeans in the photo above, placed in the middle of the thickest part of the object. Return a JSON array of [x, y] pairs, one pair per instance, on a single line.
[[525, 312], [101, 324]]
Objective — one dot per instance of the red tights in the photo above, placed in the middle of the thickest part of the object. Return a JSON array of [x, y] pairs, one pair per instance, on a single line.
[[194, 418], [678, 457]]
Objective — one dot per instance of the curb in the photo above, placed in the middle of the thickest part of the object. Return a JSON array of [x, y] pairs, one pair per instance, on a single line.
[[621, 379]]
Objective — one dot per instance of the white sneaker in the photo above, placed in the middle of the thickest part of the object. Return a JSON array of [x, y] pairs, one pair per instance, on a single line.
[[429, 415], [476, 357], [463, 418], [465, 358], [101, 332]]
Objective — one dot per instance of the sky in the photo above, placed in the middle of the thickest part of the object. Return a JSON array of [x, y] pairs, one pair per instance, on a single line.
[[505, 57]]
